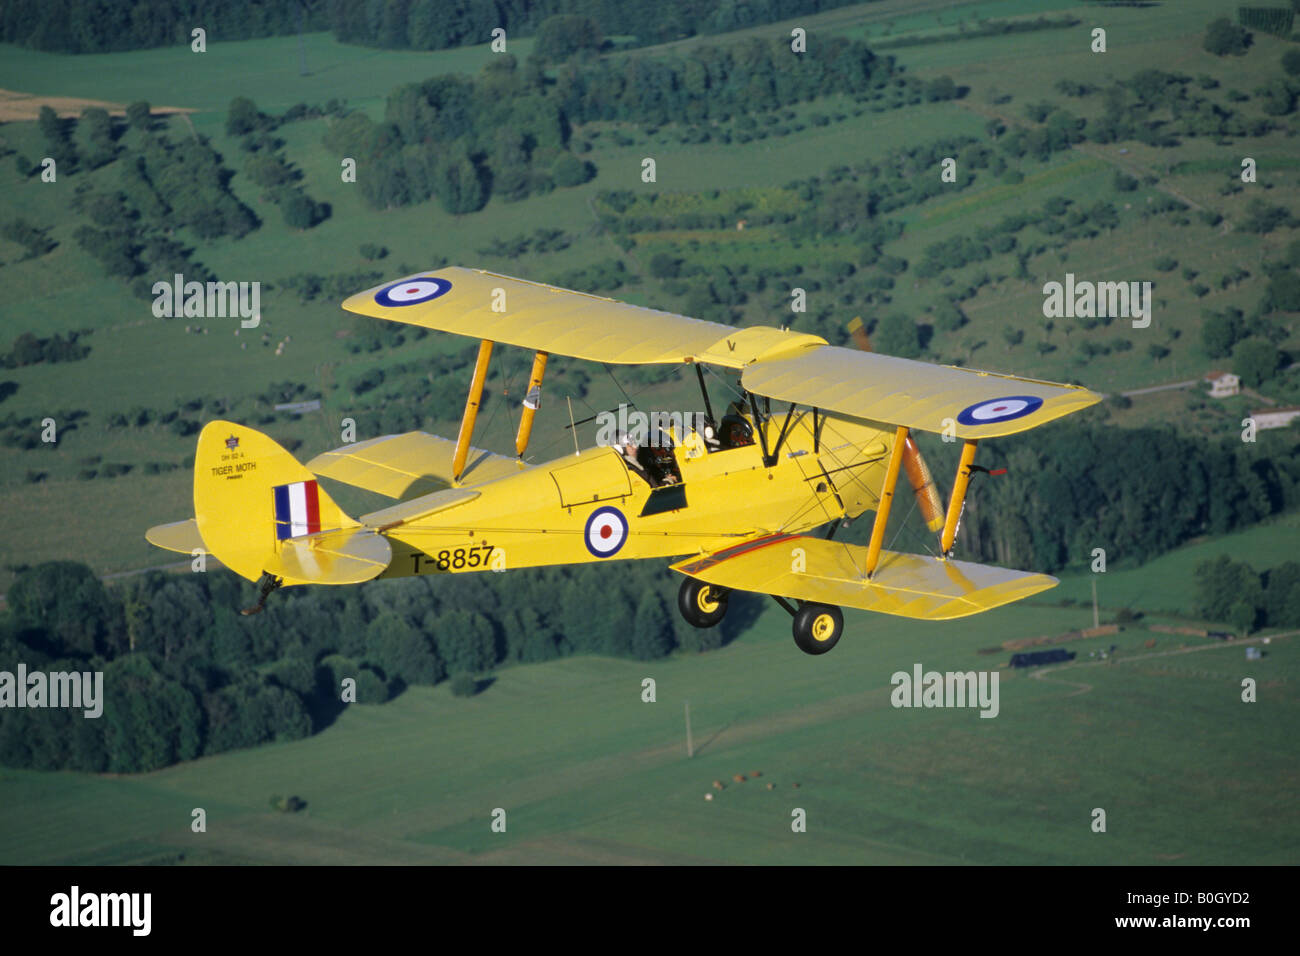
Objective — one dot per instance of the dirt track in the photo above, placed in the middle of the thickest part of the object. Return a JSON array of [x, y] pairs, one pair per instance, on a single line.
[[17, 107]]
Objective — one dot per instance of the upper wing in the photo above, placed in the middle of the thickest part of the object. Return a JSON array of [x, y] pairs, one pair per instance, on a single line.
[[907, 585], [484, 305], [917, 394], [408, 464], [788, 366]]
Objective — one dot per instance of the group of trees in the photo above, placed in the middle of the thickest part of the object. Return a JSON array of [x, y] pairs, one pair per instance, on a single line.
[[34, 239], [268, 168], [461, 139], [185, 675], [29, 349], [713, 82], [161, 185], [506, 132], [434, 25], [92, 26], [1136, 493], [1233, 591]]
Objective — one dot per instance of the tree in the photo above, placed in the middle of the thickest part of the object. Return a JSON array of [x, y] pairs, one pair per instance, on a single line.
[[300, 211], [1223, 37], [401, 651], [569, 170], [1283, 292], [559, 37], [466, 641], [242, 117], [652, 632], [896, 334], [1255, 361], [1220, 332], [459, 187], [97, 128], [1241, 615], [1282, 595], [137, 115], [1291, 62]]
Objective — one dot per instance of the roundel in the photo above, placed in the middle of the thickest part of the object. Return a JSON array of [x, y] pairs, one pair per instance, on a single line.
[[999, 410], [412, 291], [606, 531]]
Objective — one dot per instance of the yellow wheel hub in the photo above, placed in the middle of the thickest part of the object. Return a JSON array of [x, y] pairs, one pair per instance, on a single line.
[[705, 601], [823, 627]]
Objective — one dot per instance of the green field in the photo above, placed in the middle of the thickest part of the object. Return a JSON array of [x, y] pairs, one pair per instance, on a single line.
[[587, 773], [1168, 583]]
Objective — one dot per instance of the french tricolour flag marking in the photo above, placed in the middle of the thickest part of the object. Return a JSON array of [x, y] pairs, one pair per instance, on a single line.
[[297, 509]]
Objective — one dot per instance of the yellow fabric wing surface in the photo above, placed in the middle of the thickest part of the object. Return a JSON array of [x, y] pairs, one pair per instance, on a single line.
[[182, 536], [907, 585], [484, 305], [900, 391], [408, 464]]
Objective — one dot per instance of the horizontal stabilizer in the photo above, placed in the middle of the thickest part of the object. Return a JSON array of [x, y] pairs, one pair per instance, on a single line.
[[345, 556], [829, 572], [182, 536], [414, 463]]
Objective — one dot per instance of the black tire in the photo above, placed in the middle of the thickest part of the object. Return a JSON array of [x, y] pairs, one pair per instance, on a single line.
[[702, 604], [818, 627]]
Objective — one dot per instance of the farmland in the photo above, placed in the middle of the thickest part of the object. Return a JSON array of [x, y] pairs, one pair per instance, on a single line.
[[587, 772]]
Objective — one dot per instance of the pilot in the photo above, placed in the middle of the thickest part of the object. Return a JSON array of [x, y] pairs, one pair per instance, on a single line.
[[736, 430], [627, 447]]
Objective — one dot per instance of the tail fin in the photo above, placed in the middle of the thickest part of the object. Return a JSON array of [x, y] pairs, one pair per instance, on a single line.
[[259, 510]]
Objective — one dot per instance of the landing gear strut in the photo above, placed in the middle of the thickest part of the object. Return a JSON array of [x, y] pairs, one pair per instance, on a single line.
[[703, 605]]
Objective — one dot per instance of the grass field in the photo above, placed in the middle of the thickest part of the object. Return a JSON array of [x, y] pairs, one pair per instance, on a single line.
[[1168, 583], [587, 773]]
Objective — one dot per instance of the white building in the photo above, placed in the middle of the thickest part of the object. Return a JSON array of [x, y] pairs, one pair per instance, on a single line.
[[1275, 417], [1223, 384]]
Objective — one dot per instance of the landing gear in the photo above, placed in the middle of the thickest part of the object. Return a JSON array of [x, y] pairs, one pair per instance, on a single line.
[[817, 627], [703, 605], [268, 582]]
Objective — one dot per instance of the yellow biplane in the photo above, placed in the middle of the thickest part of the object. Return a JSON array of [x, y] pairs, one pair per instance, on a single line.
[[734, 500]]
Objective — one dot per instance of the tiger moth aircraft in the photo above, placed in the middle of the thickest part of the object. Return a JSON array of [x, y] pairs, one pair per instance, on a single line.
[[735, 502]]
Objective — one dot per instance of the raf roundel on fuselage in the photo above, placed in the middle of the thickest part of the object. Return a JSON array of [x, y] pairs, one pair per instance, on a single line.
[[413, 291]]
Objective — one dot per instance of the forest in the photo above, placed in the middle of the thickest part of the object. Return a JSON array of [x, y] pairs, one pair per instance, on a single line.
[[91, 26]]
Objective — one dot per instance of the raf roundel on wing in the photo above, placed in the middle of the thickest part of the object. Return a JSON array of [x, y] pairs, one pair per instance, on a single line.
[[999, 410], [606, 532], [412, 291]]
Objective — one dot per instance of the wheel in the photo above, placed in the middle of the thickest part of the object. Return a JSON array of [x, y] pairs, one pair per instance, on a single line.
[[703, 605], [817, 627]]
